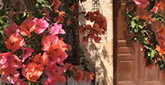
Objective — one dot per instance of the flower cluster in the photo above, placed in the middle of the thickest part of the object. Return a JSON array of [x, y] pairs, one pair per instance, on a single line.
[[94, 31], [157, 7], [78, 74], [31, 64], [33, 50]]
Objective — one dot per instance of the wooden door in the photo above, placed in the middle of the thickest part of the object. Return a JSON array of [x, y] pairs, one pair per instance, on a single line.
[[130, 65]]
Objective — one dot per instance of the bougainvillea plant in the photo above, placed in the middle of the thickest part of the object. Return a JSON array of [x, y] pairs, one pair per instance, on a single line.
[[96, 25], [96, 29], [32, 50], [141, 26]]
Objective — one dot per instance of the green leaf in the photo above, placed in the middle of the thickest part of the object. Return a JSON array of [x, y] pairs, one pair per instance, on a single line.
[[153, 53], [133, 24], [140, 26], [39, 1]]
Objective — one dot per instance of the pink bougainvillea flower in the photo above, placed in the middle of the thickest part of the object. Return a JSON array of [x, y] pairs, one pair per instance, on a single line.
[[32, 71], [141, 3], [48, 41], [40, 25], [41, 59], [14, 42], [27, 27], [26, 52], [8, 67], [10, 75], [3, 59], [156, 7], [56, 29], [9, 60], [11, 29]]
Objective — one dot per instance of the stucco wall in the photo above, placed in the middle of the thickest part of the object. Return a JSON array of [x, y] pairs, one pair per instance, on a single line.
[[100, 55]]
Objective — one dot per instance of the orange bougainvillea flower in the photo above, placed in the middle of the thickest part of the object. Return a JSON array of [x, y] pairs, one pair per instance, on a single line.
[[160, 36], [48, 41], [57, 54], [41, 59], [14, 42], [63, 46], [32, 71], [160, 51], [27, 27]]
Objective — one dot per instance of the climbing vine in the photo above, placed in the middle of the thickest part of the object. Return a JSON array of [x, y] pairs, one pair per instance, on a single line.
[[142, 29]]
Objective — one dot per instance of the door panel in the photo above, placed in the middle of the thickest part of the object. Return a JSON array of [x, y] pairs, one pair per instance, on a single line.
[[131, 68]]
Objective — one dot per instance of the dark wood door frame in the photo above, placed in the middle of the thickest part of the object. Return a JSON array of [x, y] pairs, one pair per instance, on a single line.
[[115, 14]]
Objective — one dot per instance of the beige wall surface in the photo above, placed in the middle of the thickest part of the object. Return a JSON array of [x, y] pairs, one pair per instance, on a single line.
[[100, 54]]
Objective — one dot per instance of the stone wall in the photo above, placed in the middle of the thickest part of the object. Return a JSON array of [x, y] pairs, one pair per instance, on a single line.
[[100, 55]]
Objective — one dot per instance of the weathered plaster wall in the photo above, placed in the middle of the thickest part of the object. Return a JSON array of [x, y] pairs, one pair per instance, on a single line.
[[100, 55]]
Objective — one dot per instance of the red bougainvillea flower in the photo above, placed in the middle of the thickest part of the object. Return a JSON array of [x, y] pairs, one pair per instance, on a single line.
[[8, 31], [56, 29], [32, 71], [46, 12], [41, 59], [85, 39], [48, 41], [14, 42], [69, 66], [20, 82], [160, 36], [27, 27], [14, 62], [59, 17], [97, 39], [78, 76], [49, 81], [141, 3], [26, 52], [90, 76], [55, 73], [40, 25], [56, 53]]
